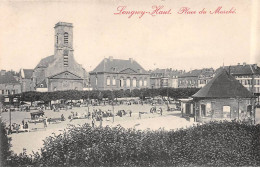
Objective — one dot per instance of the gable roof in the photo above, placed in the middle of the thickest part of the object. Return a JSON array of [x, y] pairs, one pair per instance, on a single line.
[[43, 83], [198, 72], [28, 73], [118, 65], [45, 61], [245, 69], [165, 73], [66, 75], [8, 78], [223, 85]]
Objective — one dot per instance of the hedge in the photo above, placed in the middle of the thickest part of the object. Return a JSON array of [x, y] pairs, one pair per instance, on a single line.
[[212, 144], [175, 93], [4, 144]]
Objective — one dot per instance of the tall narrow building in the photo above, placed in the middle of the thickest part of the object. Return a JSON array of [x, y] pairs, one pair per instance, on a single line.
[[60, 71]]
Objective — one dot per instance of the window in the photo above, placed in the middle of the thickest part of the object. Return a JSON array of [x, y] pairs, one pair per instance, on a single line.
[[96, 80], [121, 83], [140, 82], [134, 82], [3, 92], [145, 82], [114, 81], [128, 82], [13, 91], [108, 81], [41, 85], [66, 61], [66, 38]]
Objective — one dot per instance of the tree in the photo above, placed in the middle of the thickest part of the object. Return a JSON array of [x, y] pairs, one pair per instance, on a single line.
[[5, 145]]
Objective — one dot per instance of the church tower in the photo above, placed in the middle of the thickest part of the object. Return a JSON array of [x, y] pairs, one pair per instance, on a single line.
[[63, 45]]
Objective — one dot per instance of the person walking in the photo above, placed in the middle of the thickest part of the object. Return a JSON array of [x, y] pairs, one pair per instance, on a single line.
[[130, 113], [93, 122]]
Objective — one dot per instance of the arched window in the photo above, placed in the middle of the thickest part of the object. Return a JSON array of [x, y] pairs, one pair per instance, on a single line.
[[145, 82], [114, 81], [141, 82], [134, 82], [121, 83], [108, 81], [66, 38], [128, 82]]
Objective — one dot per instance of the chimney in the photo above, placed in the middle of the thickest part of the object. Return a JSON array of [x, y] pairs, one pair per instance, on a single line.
[[110, 58], [244, 63], [131, 59], [3, 72]]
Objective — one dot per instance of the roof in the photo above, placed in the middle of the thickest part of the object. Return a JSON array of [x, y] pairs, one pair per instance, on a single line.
[[8, 78], [42, 84], [245, 69], [223, 85], [46, 61], [165, 73], [118, 65], [193, 73], [28, 73], [206, 72]]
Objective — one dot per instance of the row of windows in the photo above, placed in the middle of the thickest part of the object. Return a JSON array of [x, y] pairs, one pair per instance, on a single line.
[[187, 81], [245, 82], [127, 82], [8, 92]]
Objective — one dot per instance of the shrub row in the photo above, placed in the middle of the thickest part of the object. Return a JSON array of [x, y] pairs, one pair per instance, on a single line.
[[95, 94], [212, 144]]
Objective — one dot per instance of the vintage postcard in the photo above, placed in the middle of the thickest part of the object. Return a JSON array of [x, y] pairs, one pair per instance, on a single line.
[[129, 83]]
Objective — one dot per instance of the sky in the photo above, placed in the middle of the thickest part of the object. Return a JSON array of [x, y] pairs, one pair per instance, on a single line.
[[178, 41]]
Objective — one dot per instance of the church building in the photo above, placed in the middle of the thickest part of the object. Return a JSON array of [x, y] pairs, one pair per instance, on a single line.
[[60, 71]]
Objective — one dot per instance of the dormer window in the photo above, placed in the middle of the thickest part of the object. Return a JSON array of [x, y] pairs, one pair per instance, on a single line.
[[66, 38]]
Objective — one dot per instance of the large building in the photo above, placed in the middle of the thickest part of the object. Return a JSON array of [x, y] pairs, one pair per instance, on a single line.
[[223, 98], [160, 78], [117, 74], [247, 74], [9, 84], [59, 71], [195, 78]]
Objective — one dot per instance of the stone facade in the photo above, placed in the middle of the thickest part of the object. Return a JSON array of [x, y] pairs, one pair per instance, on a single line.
[[8, 84], [195, 78], [228, 109], [116, 74], [161, 78], [60, 71]]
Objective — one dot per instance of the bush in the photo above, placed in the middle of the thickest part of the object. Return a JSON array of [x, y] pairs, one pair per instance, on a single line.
[[213, 144], [4, 144]]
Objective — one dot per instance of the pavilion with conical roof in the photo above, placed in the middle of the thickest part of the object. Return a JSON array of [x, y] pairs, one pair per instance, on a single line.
[[223, 98]]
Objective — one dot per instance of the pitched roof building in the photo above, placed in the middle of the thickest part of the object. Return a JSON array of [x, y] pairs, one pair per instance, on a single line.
[[247, 74], [58, 71], [8, 83], [195, 78], [113, 74], [223, 98], [160, 78]]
